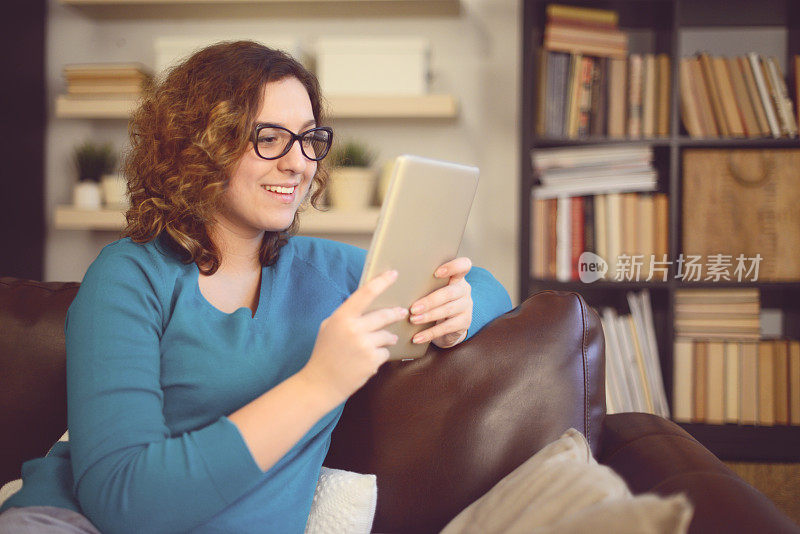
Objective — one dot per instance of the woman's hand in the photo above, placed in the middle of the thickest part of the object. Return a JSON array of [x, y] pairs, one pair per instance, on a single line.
[[350, 345], [450, 307]]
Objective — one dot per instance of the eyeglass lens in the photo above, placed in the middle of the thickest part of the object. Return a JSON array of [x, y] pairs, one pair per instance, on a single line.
[[274, 142]]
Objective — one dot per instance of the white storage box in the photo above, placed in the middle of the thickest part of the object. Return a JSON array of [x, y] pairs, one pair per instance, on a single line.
[[373, 65]]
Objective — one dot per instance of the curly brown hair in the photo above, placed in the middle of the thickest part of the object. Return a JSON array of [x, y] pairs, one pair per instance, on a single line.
[[187, 136]]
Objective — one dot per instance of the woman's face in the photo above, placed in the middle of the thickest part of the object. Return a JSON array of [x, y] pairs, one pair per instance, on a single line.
[[249, 205]]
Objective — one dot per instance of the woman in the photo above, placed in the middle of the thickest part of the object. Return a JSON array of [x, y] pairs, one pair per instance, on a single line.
[[209, 354]]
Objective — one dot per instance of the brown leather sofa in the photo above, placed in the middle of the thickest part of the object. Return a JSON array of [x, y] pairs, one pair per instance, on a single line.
[[439, 431]]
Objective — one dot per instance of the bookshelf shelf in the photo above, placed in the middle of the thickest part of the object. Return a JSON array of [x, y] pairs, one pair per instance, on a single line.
[[727, 284], [600, 284], [311, 221], [664, 27], [341, 107], [738, 143], [748, 443], [549, 142], [130, 9]]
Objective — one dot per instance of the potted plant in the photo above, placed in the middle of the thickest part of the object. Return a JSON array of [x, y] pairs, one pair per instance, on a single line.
[[352, 182], [92, 161]]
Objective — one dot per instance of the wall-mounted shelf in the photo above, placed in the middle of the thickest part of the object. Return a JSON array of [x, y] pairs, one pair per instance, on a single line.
[[311, 221], [128, 9], [393, 107], [340, 107], [94, 108]]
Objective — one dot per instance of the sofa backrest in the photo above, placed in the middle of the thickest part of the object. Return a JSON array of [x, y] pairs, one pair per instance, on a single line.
[[33, 389], [438, 432], [441, 431]]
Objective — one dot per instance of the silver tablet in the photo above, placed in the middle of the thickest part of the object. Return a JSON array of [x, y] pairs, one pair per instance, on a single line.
[[420, 227]]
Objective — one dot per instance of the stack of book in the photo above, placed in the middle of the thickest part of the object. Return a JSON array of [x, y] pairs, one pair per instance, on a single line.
[[590, 87], [588, 202], [580, 30], [633, 367], [106, 80], [718, 313], [740, 382], [742, 96]]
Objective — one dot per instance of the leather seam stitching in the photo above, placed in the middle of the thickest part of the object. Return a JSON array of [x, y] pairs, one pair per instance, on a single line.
[[585, 369]]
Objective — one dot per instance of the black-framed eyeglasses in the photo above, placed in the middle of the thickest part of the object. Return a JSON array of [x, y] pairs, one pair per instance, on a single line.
[[272, 141]]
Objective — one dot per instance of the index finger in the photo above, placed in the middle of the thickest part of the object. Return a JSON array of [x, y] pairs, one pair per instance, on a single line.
[[362, 297]]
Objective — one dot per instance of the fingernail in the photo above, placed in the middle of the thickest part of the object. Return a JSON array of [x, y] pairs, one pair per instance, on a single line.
[[441, 272], [419, 338], [416, 308], [416, 318], [392, 274], [402, 312]]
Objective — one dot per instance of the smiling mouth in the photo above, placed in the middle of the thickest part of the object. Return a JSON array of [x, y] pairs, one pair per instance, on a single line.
[[279, 189]]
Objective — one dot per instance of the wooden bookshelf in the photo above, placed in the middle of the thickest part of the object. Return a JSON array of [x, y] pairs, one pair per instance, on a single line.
[[657, 26], [129, 9], [341, 107], [311, 221]]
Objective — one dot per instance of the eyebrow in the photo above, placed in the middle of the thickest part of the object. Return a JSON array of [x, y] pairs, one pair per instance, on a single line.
[[305, 125]]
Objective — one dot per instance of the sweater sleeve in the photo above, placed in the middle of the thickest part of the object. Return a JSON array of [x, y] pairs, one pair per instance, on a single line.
[[489, 299], [130, 474]]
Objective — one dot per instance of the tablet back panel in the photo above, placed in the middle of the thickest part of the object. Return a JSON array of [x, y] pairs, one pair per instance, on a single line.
[[420, 227]]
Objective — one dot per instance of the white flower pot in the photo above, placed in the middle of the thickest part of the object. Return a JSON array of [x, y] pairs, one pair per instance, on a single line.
[[86, 195], [115, 191], [351, 188]]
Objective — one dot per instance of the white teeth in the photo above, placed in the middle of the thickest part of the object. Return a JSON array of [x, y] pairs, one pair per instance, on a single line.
[[279, 189]]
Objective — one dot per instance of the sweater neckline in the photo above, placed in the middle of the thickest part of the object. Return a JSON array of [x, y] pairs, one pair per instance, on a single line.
[[243, 310]]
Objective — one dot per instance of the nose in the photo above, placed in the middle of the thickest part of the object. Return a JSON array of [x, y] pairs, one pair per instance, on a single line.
[[293, 161]]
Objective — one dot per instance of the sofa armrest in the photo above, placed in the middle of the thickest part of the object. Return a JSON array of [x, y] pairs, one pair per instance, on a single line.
[[655, 455], [440, 431]]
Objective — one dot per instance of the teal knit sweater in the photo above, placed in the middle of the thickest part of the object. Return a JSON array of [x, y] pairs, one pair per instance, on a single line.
[[153, 369]]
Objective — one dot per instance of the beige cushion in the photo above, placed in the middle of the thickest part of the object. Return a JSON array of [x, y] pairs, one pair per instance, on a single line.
[[562, 489]]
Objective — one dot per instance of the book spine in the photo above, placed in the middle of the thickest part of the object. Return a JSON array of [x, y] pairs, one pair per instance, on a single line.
[[577, 228], [573, 102], [664, 84], [707, 120], [700, 381], [766, 100], [617, 90], [706, 63], [727, 98], [648, 95], [635, 96], [766, 383], [597, 118], [787, 113], [748, 115], [682, 385], [600, 16], [755, 99], [544, 92], [732, 385], [689, 110], [585, 96], [563, 240]]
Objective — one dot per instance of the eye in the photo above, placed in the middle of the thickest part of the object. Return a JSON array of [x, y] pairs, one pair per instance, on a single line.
[[267, 139]]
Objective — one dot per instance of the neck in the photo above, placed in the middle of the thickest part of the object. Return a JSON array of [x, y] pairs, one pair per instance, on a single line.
[[239, 252]]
